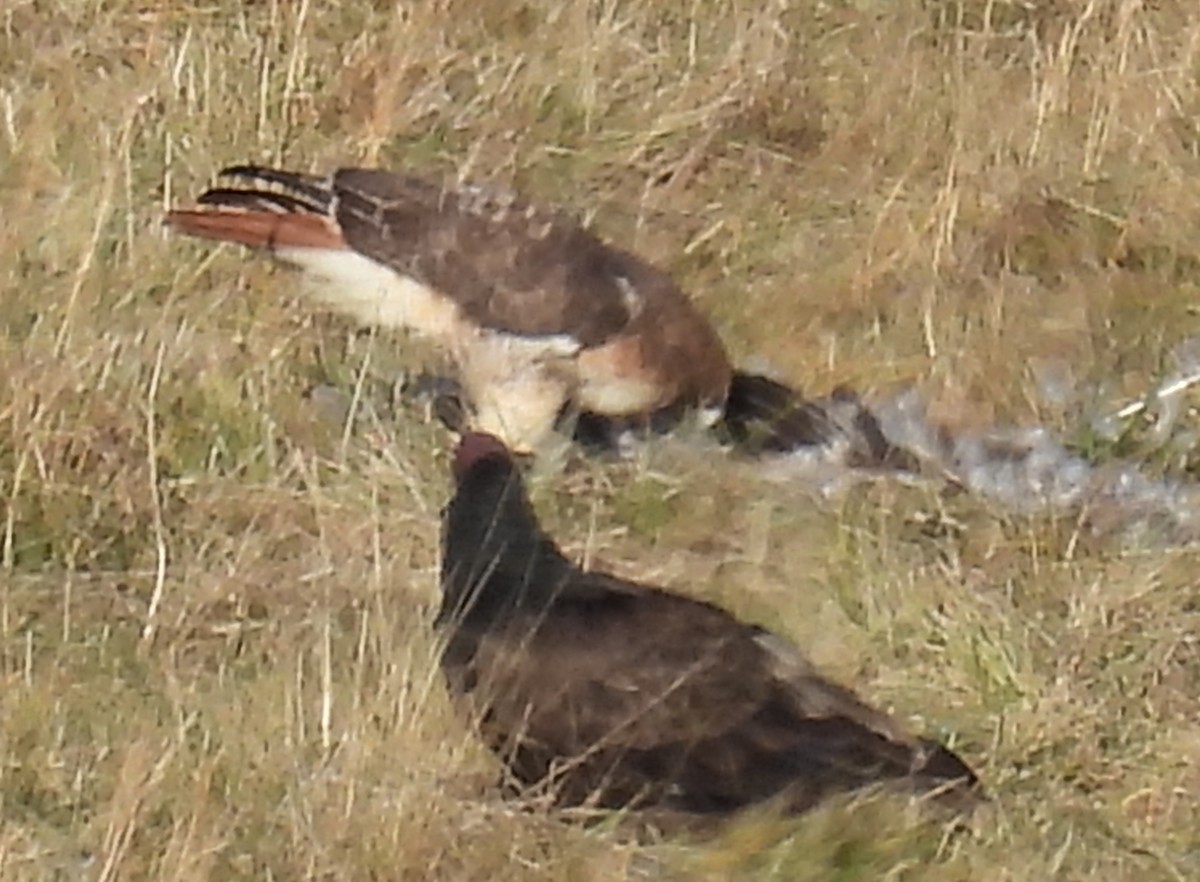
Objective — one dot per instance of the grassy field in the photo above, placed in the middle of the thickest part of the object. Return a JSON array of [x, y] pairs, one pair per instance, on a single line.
[[215, 598]]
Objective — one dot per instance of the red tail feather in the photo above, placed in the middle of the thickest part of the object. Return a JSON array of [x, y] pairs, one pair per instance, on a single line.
[[257, 229]]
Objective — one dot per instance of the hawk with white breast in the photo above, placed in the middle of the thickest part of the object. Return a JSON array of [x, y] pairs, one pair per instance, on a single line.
[[539, 315]]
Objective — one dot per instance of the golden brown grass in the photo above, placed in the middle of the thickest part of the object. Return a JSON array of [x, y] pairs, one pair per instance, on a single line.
[[216, 661]]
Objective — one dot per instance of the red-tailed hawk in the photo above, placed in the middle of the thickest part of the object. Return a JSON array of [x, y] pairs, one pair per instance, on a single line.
[[537, 313], [621, 694]]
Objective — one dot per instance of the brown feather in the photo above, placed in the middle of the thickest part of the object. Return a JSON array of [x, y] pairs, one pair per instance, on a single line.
[[510, 266], [257, 229]]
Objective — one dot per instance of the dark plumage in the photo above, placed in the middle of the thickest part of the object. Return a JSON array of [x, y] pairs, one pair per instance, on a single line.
[[613, 693]]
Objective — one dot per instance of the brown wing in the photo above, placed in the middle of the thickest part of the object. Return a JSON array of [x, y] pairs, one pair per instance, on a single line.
[[508, 265], [513, 267], [633, 694], [576, 700], [618, 667], [814, 697]]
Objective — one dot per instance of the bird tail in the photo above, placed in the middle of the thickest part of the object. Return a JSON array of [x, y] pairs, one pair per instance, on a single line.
[[947, 779], [838, 755], [764, 416], [296, 215]]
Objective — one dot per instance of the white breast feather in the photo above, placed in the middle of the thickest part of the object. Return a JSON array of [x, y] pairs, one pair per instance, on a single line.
[[374, 294]]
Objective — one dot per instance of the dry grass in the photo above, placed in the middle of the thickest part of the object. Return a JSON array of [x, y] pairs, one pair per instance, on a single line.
[[214, 610]]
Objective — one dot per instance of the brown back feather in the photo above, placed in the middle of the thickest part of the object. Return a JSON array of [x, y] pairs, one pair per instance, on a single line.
[[509, 265]]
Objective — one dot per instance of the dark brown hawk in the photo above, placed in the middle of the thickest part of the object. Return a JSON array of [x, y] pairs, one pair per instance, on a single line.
[[615, 693]]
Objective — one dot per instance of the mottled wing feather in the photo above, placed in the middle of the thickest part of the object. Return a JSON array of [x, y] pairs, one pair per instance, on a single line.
[[509, 266]]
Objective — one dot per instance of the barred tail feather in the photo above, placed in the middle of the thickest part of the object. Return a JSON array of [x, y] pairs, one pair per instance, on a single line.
[[312, 188]]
